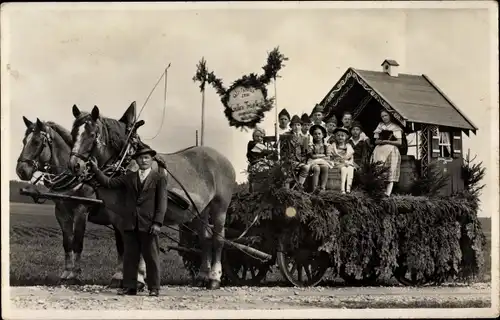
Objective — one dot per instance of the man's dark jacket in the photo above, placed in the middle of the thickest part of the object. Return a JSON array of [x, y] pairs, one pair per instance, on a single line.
[[144, 204]]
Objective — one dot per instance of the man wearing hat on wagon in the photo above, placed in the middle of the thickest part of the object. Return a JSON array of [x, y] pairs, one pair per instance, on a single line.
[[145, 205]]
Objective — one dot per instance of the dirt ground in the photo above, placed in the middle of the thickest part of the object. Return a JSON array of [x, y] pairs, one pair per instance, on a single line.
[[476, 295]]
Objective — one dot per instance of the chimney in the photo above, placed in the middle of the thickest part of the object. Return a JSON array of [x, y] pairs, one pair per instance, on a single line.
[[390, 67]]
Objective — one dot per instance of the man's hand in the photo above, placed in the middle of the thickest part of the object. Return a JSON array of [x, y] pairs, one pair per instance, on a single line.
[[93, 164], [155, 229]]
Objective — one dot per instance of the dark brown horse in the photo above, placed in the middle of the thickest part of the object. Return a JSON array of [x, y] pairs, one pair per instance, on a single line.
[[200, 174], [47, 148]]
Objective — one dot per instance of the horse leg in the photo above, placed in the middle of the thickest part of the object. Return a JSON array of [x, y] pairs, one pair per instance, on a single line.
[[65, 221], [80, 225], [206, 249], [117, 278], [218, 211], [141, 274]]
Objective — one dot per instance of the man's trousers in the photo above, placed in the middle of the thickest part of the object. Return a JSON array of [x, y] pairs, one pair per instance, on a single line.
[[135, 243]]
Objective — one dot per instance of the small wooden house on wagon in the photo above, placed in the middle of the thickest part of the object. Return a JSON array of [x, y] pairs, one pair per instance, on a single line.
[[432, 123]]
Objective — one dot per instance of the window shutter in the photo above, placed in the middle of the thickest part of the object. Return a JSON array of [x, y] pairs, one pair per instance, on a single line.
[[435, 151], [457, 144]]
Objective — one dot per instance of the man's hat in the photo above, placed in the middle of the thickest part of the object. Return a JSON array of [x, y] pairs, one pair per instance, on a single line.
[[144, 150], [318, 108], [284, 112], [305, 119], [331, 119], [295, 119], [318, 126], [357, 124], [340, 129]]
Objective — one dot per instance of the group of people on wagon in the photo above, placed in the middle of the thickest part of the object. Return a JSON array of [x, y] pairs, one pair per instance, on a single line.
[[320, 145]]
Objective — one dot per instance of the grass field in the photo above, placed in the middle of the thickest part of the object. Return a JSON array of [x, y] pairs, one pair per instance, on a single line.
[[37, 255]]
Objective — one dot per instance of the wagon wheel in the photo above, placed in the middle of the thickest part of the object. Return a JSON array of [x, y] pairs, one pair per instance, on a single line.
[[367, 279], [240, 269], [409, 278], [302, 266]]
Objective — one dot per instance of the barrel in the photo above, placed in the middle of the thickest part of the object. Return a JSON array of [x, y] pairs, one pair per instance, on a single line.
[[408, 173], [333, 182]]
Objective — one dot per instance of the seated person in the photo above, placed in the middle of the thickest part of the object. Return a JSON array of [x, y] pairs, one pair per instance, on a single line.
[[318, 158], [256, 149], [362, 148], [343, 156]]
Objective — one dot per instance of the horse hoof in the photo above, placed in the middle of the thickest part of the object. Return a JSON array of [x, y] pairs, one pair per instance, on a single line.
[[116, 284], [72, 282], [213, 285], [140, 286], [65, 275], [200, 283]]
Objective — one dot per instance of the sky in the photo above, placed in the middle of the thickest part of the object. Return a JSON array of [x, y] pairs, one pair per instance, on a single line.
[[56, 56]]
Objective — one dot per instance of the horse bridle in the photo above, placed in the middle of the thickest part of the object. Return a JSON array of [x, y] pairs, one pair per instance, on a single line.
[[97, 141], [35, 162]]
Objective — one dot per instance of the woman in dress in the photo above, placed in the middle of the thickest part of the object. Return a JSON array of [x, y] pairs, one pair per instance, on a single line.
[[342, 155], [318, 158], [388, 137]]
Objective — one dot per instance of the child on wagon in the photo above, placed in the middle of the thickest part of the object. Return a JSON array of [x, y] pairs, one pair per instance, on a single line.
[[296, 155], [331, 124], [318, 157], [343, 156], [362, 147]]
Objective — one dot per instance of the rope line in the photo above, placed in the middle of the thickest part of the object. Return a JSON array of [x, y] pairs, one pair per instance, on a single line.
[[164, 105]]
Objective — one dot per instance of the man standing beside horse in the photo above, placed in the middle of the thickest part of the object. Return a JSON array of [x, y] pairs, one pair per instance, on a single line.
[[145, 194]]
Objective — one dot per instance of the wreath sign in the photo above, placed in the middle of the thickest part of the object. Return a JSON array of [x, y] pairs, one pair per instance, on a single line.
[[245, 101]]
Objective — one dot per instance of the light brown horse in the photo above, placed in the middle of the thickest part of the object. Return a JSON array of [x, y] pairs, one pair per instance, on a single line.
[[200, 174], [47, 148]]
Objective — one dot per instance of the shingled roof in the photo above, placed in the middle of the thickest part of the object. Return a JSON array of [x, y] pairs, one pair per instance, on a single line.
[[417, 99]]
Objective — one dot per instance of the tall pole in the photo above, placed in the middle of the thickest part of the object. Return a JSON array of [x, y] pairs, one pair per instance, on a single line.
[[203, 116], [196, 137], [276, 119]]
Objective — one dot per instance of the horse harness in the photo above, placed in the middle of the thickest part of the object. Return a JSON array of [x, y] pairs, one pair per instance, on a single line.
[[36, 163]]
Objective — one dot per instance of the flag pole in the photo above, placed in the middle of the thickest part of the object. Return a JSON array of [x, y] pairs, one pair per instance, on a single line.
[[203, 116], [276, 119]]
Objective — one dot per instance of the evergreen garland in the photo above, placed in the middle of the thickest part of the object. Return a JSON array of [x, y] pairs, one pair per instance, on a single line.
[[274, 64], [434, 237]]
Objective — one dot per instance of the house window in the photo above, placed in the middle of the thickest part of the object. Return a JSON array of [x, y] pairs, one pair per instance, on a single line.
[[445, 145], [414, 144]]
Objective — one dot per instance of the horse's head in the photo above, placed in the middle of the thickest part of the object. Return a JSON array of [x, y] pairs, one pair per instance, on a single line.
[[94, 135], [36, 149], [86, 133]]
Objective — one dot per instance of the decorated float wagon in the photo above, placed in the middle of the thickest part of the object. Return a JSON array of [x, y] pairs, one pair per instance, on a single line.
[[426, 231], [418, 235]]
